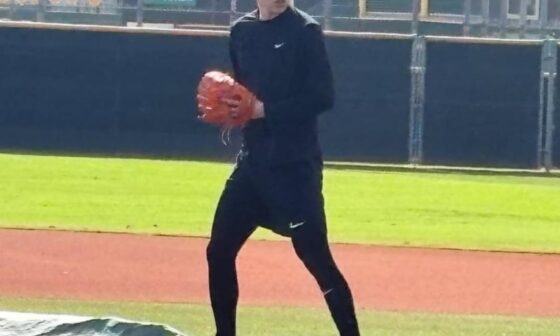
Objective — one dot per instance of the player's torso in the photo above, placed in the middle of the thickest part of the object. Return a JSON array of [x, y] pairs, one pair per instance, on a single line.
[[268, 57]]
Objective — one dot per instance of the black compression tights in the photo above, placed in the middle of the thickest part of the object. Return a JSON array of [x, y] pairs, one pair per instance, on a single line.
[[312, 249]]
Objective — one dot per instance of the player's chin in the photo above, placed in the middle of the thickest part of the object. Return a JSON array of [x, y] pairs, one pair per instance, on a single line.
[[280, 6]]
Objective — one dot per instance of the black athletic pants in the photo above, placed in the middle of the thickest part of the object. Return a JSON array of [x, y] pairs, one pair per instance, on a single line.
[[289, 201]]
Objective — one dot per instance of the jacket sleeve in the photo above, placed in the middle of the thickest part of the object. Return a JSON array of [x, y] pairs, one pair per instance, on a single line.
[[232, 56], [317, 92]]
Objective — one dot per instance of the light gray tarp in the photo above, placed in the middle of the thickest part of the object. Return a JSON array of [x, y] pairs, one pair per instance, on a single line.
[[27, 324]]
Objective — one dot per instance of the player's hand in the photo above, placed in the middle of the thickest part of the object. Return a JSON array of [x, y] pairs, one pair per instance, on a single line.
[[258, 111], [233, 105]]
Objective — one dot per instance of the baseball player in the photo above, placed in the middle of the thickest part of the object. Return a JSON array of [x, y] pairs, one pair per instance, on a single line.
[[278, 53]]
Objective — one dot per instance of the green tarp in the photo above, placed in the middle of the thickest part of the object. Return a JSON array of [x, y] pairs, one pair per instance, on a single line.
[[27, 324]]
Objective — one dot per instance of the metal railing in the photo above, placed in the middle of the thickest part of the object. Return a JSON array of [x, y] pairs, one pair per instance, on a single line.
[[496, 18]]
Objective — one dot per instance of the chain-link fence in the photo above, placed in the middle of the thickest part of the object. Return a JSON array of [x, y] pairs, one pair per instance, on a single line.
[[499, 18]]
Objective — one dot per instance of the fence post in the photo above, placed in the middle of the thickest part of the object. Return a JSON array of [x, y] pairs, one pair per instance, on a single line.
[[214, 7], [41, 7], [503, 18], [424, 8], [140, 13], [543, 18], [415, 16], [417, 98], [545, 142], [524, 6], [327, 7], [12, 10], [485, 16], [233, 11], [467, 5]]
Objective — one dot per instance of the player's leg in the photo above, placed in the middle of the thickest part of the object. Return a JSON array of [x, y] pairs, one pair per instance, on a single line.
[[294, 197], [312, 248], [234, 221]]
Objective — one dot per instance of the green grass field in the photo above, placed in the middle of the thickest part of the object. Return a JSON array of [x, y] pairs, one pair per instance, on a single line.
[[450, 210], [374, 207], [257, 321]]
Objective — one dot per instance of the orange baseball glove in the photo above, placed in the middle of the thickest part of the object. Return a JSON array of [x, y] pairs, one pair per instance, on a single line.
[[214, 87]]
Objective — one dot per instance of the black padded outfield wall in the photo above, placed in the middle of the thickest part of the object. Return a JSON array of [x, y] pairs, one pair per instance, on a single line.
[[122, 93], [370, 119], [482, 104], [106, 92], [556, 143], [133, 94], [556, 148]]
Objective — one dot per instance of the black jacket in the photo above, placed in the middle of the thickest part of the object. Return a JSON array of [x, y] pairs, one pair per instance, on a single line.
[[284, 62]]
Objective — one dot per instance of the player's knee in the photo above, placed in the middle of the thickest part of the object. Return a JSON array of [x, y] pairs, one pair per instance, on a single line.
[[310, 244], [217, 253], [211, 252], [315, 253]]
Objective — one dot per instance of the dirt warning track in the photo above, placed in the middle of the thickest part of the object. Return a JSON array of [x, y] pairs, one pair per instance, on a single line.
[[94, 266]]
